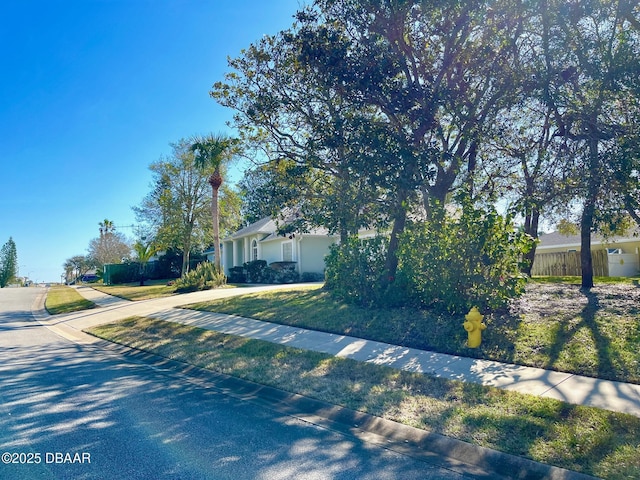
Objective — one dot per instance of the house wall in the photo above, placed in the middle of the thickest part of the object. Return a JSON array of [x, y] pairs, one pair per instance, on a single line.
[[227, 256], [313, 250], [566, 248], [308, 251], [271, 251], [233, 253]]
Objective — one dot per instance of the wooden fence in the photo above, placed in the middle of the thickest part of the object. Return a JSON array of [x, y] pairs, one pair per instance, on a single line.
[[568, 263]]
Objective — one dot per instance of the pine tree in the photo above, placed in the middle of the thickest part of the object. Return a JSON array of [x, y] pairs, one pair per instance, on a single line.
[[8, 263]]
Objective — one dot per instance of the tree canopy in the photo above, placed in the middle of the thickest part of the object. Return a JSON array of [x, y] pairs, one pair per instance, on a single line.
[[8, 263], [109, 247], [176, 210], [384, 111]]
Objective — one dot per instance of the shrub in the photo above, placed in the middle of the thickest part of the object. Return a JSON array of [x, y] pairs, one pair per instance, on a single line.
[[355, 269], [254, 271], [237, 275], [283, 272], [257, 271], [473, 260], [311, 277], [204, 276]]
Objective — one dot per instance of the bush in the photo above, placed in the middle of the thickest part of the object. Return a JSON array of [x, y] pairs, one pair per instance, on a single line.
[[283, 272], [355, 269], [257, 271], [473, 260], [254, 271], [237, 275], [205, 276], [311, 277]]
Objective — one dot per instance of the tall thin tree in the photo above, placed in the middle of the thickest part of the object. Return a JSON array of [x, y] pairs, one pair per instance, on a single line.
[[8, 262], [212, 152]]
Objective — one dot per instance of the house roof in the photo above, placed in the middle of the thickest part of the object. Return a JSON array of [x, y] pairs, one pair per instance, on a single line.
[[265, 226], [557, 239], [317, 232]]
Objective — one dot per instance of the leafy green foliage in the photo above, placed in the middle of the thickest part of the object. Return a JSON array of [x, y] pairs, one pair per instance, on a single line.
[[204, 277], [257, 271], [355, 269], [473, 260], [8, 262]]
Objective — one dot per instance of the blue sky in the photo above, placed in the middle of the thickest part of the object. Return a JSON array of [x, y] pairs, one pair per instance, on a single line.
[[91, 93]]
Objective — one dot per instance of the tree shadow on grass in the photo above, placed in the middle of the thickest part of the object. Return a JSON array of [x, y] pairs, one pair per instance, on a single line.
[[606, 360]]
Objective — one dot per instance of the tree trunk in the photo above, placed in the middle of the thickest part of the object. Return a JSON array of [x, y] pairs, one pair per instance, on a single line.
[[216, 227], [215, 180], [399, 222], [186, 251], [588, 213], [531, 228], [586, 262]]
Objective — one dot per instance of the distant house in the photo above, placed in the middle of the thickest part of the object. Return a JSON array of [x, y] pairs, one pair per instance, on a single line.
[[261, 241], [210, 253], [558, 254]]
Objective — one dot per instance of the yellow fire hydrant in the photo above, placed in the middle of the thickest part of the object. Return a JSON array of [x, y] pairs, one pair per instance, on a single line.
[[474, 327]]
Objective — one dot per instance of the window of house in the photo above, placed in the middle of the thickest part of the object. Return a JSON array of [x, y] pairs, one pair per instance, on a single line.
[[614, 251], [254, 250], [287, 252]]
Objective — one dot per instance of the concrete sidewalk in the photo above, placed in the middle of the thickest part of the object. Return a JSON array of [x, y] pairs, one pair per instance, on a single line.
[[575, 389]]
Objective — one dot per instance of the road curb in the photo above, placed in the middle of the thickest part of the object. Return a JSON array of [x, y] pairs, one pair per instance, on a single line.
[[436, 449]]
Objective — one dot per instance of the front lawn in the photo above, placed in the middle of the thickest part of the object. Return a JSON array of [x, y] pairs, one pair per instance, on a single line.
[[553, 326], [133, 291], [584, 439], [61, 299]]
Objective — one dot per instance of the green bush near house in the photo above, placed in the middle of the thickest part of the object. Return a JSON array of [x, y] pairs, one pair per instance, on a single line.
[[473, 260], [204, 277], [257, 271], [355, 270]]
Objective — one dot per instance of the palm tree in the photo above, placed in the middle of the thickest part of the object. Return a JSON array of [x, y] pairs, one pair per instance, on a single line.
[[144, 254], [211, 152], [106, 226]]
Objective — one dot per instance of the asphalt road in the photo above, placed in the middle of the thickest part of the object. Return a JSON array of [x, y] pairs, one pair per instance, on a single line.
[[77, 411]]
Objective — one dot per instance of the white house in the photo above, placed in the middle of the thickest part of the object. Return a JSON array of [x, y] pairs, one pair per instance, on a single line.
[[623, 252], [261, 241]]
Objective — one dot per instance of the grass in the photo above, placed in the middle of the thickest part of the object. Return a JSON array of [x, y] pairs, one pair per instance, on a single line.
[[61, 299], [553, 326], [133, 291], [584, 439]]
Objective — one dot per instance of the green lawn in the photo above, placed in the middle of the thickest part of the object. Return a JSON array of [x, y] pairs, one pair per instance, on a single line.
[[584, 439], [553, 326], [61, 299], [133, 291]]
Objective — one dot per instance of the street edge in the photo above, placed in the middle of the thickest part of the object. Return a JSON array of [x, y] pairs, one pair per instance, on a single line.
[[433, 448]]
